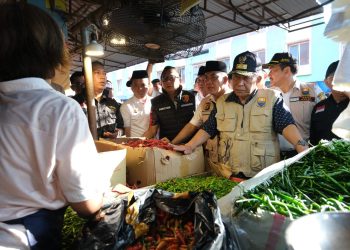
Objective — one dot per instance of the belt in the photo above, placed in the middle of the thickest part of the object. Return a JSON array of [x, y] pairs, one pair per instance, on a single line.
[[288, 154]]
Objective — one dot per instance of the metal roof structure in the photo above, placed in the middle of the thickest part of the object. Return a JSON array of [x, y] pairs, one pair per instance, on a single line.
[[223, 18]]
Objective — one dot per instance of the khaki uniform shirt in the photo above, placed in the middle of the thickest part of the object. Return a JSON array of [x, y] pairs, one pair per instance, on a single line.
[[247, 140], [300, 99], [200, 116]]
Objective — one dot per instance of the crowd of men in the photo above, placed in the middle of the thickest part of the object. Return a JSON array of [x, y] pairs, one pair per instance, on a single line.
[[243, 125], [49, 157]]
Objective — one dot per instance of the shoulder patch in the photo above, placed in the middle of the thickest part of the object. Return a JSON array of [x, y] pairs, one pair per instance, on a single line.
[[206, 106], [185, 98]]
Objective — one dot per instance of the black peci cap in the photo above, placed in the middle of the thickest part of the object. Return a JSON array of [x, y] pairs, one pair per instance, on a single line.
[[137, 74], [331, 68], [215, 66], [201, 71]]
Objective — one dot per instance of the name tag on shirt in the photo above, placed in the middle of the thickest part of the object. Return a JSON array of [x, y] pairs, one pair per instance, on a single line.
[[294, 99], [164, 108], [302, 99], [187, 104]]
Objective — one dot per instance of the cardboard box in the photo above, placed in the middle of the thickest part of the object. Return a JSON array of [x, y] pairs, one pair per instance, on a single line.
[[113, 161], [148, 166]]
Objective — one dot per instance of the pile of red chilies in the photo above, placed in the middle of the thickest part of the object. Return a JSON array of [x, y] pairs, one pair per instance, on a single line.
[[150, 143]]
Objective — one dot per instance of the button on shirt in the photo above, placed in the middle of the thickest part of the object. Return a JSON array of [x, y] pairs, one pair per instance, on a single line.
[[322, 118], [281, 116], [136, 115], [48, 156]]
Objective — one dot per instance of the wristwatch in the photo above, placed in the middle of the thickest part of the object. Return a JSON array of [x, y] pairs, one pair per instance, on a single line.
[[301, 143]]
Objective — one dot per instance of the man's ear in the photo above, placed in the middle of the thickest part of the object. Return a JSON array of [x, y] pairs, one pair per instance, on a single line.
[[225, 80], [258, 78]]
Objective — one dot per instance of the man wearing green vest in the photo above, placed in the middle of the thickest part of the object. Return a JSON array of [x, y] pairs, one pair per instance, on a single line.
[[247, 122]]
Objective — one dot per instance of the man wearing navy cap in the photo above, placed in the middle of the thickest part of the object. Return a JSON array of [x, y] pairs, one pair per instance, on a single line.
[[327, 111], [299, 97], [216, 83], [137, 109], [247, 121]]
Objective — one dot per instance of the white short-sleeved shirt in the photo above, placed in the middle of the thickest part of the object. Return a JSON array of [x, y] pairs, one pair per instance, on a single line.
[[203, 111], [300, 100], [48, 156], [136, 115]]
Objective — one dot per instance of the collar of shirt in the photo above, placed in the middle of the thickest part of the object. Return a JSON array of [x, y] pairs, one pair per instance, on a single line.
[[295, 86], [331, 99], [23, 84], [234, 98], [178, 93], [142, 100]]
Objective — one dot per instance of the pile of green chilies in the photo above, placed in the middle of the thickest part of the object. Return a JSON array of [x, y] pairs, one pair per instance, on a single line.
[[318, 182], [220, 186], [72, 229]]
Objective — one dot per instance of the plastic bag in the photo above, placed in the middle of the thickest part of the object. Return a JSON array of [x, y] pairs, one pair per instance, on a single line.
[[115, 233]]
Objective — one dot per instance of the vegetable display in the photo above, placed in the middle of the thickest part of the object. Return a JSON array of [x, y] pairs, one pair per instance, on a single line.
[[318, 182], [218, 185], [170, 232], [72, 227], [151, 143]]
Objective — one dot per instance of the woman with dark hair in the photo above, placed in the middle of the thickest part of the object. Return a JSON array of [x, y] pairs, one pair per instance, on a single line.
[[48, 156]]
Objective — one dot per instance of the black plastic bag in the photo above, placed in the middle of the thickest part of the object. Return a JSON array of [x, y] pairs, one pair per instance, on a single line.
[[113, 232]]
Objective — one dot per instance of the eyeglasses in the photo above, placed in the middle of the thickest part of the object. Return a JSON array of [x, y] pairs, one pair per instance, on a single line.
[[169, 78]]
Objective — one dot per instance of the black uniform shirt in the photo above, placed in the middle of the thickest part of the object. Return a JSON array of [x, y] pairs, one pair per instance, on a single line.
[[322, 118], [171, 116], [108, 115]]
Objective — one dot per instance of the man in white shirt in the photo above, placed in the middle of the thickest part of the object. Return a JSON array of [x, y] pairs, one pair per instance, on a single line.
[[136, 110], [299, 97]]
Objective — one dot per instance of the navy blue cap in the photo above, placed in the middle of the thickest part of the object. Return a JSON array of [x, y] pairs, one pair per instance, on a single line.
[[246, 64], [281, 58]]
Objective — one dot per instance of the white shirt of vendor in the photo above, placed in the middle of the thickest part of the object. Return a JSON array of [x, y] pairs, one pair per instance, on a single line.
[[44, 137], [136, 115]]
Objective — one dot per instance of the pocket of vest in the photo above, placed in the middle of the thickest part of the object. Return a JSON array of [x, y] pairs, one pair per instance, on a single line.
[[226, 122], [262, 156], [260, 120]]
